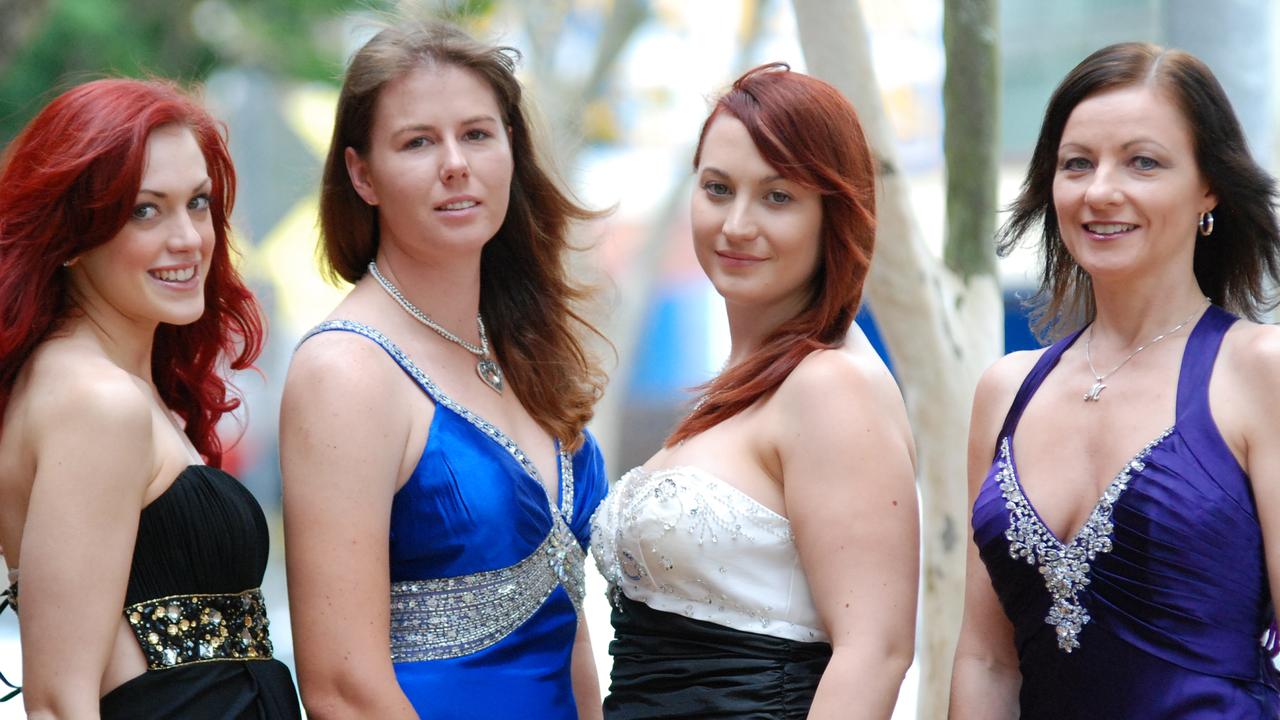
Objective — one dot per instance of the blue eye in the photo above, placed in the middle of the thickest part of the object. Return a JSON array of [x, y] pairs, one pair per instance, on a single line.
[[476, 135], [1144, 163], [777, 197], [145, 211], [1076, 164], [199, 202], [716, 189]]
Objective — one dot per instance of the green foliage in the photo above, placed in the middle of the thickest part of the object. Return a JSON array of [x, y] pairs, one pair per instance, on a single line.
[[185, 40]]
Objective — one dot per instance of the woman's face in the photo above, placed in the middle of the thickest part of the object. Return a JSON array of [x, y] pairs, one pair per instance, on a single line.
[[153, 271], [1128, 191], [439, 163], [757, 235]]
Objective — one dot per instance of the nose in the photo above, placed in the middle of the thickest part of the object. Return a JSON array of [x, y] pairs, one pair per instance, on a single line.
[[185, 235], [1103, 189], [738, 222], [453, 165]]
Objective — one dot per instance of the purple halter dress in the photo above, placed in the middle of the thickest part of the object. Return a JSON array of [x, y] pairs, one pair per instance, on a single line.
[[1157, 608]]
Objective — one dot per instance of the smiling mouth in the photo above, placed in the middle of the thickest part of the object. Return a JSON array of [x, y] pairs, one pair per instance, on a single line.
[[459, 205], [177, 275], [1109, 228]]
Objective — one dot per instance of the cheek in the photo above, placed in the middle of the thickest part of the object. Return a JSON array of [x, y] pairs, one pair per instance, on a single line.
[[706, 221]]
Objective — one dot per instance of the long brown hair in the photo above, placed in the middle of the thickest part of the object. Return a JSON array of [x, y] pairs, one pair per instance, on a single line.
[[529, 303], [1232, 266], [810, 134]]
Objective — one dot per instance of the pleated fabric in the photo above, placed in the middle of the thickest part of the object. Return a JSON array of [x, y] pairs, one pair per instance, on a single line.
[[667, 666], [205, 534], [1179, 605]]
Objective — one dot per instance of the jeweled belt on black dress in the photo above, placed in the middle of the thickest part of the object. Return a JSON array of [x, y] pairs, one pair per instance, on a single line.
[[181, 629]]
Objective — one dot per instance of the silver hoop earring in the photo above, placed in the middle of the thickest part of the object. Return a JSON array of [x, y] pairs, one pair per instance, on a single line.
[[1206, 223]]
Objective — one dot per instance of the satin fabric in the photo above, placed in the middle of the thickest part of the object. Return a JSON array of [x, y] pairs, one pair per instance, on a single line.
[[1180, 604], [470, 507], [667, 666]]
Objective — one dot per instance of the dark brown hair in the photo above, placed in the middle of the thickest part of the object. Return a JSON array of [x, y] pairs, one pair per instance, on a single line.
[[810, 134], [526, 296], [1233, 265]]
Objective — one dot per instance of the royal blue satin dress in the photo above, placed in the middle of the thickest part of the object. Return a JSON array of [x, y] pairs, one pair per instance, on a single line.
[[1157, 608], [486, 570]]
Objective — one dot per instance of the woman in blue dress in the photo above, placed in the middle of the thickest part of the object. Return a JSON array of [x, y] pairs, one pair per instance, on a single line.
[[1126, 480], [438, 479]]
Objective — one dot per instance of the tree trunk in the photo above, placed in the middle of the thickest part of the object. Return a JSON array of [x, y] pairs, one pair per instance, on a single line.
[[942, 327]]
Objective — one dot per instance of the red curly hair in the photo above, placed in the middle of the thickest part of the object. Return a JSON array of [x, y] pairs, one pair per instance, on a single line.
[[810, 134], [68, 183]]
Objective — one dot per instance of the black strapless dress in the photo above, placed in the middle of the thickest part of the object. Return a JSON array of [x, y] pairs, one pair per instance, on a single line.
[[204, 536], [667, 666]]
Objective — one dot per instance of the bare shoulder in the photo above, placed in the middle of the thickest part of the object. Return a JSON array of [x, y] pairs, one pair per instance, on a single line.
[[1253, 349], [337, 364], [1249, 363], [82, 390], [838, 383], [1000, 382]]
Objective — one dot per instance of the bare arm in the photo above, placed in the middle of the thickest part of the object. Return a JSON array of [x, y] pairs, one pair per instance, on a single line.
[[849, 487], [985, 678], [586, 683], [342, 442], [94, 459], [1255, 394]]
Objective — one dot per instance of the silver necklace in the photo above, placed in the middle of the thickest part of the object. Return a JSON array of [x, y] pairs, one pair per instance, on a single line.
[[1095, 392], [486, 367]]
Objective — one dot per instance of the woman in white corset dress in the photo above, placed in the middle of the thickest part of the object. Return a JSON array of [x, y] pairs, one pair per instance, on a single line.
[[764, 562]]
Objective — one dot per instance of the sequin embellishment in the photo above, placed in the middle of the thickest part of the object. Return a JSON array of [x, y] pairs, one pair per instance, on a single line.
[[1066, 568], [440, 618], [451, 617], [181, 629]]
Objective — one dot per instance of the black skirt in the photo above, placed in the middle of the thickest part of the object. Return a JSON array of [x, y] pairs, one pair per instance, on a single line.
[[669, 666], [222, 690]]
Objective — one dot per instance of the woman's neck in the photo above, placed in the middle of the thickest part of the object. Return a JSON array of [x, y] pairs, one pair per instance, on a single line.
[[447, 290], [750, 326], [1132, 315], [127, 344]]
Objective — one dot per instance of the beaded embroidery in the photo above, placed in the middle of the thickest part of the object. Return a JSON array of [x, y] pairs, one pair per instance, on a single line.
[[181, 629], [451, 617], [684, 511], [440, 618], [1066, 568]]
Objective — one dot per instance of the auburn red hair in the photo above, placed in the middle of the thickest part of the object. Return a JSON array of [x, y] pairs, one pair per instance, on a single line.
[[68, 183], [810, 134]]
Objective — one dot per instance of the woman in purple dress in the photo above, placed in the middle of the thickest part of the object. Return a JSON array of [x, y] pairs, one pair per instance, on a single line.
[[1126, 480]]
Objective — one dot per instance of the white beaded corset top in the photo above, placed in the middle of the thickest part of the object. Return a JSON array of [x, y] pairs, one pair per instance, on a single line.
[[683, 541]]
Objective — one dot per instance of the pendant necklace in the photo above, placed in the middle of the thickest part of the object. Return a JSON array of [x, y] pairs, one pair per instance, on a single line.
[[486, 367], [1095, 392]]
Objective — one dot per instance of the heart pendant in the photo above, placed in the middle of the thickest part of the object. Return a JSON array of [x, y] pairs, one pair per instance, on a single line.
[[490, 373]]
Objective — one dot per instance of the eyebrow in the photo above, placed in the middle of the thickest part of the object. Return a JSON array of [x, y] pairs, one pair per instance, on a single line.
[[1126, 146], [423, 127], [763, 181], [199, 186]]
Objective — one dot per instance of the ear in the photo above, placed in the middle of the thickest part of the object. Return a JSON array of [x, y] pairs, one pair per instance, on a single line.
[[1210, 200], [358, 170]]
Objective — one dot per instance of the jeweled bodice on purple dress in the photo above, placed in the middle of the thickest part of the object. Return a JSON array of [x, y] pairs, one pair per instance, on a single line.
[[1157, 607]]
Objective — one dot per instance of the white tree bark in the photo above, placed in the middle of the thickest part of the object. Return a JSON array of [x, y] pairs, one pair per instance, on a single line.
[[941, 330]]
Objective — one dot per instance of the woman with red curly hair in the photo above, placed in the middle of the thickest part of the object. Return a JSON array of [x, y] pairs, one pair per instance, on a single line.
[[764, 562], [119, 310]]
